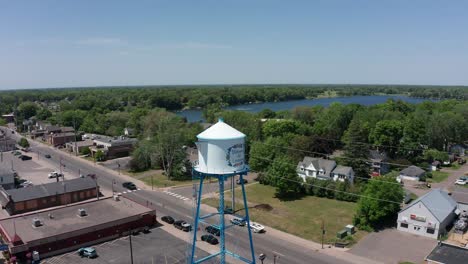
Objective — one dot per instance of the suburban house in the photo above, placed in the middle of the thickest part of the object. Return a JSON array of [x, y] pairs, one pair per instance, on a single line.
[[378, 162], [458, 149], [323, 169], [428, 215], [445, 253], [18, 201], [435, 165], [412, 173], [129, 132], [113, 147], [7, 178], [79, 146], [460, 195], [59, 139]]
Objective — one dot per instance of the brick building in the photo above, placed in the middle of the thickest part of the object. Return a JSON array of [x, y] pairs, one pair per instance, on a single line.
[[17, 201], [58, 139], [63, 229]]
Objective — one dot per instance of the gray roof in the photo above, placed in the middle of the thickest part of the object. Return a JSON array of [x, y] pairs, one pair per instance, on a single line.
[[412, 171], [84, 143], [438, 202], [318, 163], [377, 156], [460, 195], [49, 189], [67, 129], [52, 128], [345, 170], [449, 254], [6, 171]]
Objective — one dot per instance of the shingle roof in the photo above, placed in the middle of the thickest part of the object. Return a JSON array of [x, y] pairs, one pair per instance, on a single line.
[[342, 170], [460, 195], [438, 202], [449, 254], [49, 189], [412, 171], [318, 163], [377, 156]]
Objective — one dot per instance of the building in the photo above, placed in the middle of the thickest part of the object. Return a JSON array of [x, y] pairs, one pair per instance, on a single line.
[[445, 253], [460, 195], [129, 132], [18, 201], [113, 147], [379, 163], [7, 144], [428, 215], [9, 118], [458, 149], [435, 165], [79, 146], [67, 129], [67, 228], [412, 173], [7, 178], [60, 139], [323, 169]]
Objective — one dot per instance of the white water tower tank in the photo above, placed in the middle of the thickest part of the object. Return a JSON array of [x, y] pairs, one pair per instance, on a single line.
[[221, 150]]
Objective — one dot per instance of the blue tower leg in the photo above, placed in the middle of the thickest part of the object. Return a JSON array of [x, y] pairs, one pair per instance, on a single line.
[[197, 216], [247, 218], [222, 245]]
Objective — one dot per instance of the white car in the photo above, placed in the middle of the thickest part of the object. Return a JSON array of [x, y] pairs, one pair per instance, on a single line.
[[54, 174], [460, 182], [256, 227]]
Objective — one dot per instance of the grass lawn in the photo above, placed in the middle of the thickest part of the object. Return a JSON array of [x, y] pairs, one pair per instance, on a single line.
[[438, 176], [301, 217], [159, 180]]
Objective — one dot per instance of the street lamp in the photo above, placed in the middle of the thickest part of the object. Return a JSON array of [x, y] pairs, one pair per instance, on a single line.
[[262, 257]]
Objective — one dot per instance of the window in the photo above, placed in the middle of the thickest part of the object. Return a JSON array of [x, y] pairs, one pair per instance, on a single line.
[[417, 228], [430, 230], [404, 225]]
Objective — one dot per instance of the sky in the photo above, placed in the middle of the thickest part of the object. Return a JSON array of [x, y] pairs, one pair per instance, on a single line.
[[103, 43]]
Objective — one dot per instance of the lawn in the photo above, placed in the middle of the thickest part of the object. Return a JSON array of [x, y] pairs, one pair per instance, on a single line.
[[158, 179], [438, 176], [301, 217]]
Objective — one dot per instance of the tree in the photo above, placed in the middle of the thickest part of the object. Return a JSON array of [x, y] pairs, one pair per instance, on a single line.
[[267, 113], [43, 114], [23, 143], [356, 152], [99, 156], [273, 128], [433, 154], [262, 154], [379, 203], [27, 110], [283, 174], [387, 134]]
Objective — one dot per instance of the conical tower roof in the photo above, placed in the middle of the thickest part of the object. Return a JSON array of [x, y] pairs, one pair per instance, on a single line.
[[220, 131]]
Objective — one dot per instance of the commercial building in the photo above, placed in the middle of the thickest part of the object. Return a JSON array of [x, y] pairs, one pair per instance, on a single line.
[[79, 146], [445, 253], [17, 201], [60, 139], [429, 215], [63, 229], [113, 147]]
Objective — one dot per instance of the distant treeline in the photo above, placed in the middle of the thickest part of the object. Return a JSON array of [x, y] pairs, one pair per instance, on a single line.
[[180, 97]]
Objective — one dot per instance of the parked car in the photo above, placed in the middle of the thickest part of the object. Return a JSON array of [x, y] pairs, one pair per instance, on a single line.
[[25, 184], [55, 174], [88, 252], [47, 156], [240, 182], [210, 239], [238, 221], [213, 230], [24, 157], [182, 225], [129, 185], [460, 182], [168, 219], [256, 227]]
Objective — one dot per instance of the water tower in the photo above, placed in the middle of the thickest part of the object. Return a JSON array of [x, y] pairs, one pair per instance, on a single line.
[[221, 154]]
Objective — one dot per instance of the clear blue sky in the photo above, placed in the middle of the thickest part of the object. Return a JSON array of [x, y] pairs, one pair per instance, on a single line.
[[92, 43]]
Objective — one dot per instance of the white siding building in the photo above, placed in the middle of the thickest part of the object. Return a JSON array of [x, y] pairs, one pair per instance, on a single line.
[[429, 215], [323, 169]]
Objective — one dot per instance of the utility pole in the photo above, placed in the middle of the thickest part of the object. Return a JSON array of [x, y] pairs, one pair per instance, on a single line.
[[323, 231], [131, 248], [152, 186]]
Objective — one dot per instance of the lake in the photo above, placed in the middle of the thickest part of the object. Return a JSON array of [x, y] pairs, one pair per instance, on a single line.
[[196, 115]]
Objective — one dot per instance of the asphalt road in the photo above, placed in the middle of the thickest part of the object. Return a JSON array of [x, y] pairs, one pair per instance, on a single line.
[[236, 238]]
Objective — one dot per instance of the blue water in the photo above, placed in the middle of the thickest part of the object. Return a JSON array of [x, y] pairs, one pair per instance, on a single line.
[[196, 115]]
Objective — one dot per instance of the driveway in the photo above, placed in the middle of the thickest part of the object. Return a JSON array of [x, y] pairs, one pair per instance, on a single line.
[[393, 246]]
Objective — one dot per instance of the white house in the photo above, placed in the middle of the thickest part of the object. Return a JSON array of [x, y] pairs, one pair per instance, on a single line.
[[412, 173], [428, 215], [323, 169], [129, 132]]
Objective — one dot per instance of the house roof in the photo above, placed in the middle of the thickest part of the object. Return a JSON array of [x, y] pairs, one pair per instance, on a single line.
[[460, 195], [318, 163], [446, 253], [67, 134], [412, 171], [49, 189], [84, 143], [50, 128], [67, 129], [4, 171], [436, 163], [377, 156], [342, 170], [438, 202], [220, 131]]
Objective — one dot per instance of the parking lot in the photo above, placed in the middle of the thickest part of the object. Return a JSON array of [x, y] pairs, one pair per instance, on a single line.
[[153, 248]]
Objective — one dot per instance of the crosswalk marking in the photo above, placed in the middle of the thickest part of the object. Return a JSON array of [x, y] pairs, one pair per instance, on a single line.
[[176, 195]]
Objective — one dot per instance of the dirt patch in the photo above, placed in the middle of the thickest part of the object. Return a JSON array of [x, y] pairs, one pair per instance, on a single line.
[[264, 207]]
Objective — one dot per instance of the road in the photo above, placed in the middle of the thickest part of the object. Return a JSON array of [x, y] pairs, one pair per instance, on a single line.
[[236, 239]]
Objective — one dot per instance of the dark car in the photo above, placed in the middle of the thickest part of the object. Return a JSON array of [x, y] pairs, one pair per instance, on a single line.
[[88, 252], [24, 157], [47, 156], [210, 239], [243, 180], [168, 219], [182, 225], [213, 230], [129, 185]]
